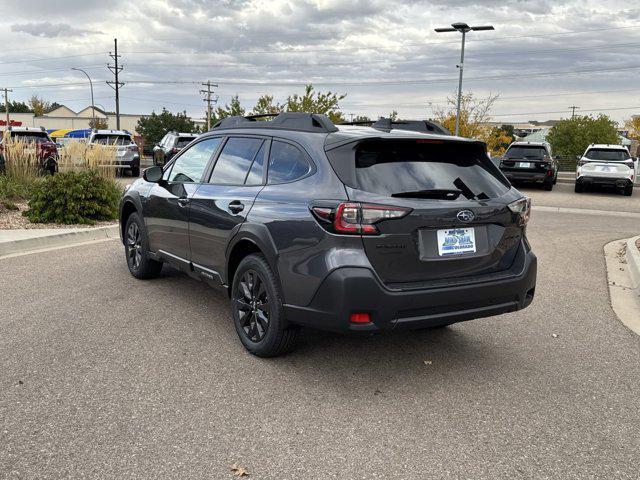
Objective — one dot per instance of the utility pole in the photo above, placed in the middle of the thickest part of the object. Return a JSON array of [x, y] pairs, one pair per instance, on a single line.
[[208, 92], [573, 109], [115, 69], [6, 105]]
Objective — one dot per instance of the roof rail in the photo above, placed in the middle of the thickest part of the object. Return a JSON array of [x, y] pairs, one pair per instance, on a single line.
[[426, 126], [301, 121], [358, 122]]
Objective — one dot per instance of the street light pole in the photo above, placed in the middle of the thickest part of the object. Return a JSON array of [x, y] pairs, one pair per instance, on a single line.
[[463, 28], [93, 107]]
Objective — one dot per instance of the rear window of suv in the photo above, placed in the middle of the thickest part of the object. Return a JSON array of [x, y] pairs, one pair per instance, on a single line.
[[521, 151], [112, 139], [184, 141], [394, 167], [607, 154], [37, 137]]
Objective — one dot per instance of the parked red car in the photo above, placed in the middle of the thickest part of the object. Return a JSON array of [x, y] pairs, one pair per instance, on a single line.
[[45, 148]]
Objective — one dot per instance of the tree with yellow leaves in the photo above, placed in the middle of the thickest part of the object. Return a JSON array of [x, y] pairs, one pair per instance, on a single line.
[[474, 121]]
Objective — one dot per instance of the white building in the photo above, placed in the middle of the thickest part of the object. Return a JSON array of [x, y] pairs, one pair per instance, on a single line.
[[65, 118]]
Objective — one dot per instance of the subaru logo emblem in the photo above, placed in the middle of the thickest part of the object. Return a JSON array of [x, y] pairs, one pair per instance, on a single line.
[[465, 216]]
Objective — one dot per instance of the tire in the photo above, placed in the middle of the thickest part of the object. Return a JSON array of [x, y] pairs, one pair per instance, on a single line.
[[136, 250], [135, 171], [578, 188], [628, 191], [256, 305], [548, 186]]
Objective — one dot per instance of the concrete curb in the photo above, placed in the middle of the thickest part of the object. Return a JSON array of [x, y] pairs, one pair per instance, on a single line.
[[623, 288], [633, 261], [66, 239]]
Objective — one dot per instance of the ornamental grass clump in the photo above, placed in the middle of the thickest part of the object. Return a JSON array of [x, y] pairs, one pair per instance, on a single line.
[[74, 198]]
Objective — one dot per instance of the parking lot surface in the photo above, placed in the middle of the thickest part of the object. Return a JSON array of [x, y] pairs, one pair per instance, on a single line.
[[105, 376]]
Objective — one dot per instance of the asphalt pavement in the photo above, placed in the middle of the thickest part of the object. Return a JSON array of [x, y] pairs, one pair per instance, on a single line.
[[105, 376]]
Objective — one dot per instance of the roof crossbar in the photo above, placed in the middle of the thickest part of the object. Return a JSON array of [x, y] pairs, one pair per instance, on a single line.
[[425, 126], [302, 121]]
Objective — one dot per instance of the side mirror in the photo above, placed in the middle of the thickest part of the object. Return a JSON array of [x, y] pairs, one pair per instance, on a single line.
[[578, 157], [152, 174]]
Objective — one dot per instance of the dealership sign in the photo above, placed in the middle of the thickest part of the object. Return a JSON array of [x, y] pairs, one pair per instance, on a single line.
[[12, 123]]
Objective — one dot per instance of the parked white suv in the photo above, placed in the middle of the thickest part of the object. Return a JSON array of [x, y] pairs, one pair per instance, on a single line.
[[609, 165], [127, 153]]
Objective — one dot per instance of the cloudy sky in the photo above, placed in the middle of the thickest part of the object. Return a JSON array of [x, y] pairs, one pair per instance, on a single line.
[[542, 57]]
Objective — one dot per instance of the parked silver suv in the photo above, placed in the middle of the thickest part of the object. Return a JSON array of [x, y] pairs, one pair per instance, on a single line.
[[127, 153]]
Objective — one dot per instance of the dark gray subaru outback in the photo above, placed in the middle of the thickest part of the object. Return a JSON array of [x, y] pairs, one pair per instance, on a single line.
[[345, 228]]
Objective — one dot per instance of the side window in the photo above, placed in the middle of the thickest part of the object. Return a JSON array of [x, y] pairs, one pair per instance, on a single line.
[[286, 163], [190, 166], [254, 177], [234, 160]]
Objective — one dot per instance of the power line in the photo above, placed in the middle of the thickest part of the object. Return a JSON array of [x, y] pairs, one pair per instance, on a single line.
[[378, 47], [54, 58]]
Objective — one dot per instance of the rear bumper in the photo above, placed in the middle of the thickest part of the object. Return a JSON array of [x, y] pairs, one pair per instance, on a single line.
[[525, 176], [621, 182], [133, 161], [350, 290]]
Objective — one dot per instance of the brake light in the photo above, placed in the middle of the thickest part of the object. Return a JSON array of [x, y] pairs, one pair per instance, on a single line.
[[522, 208], [357, 218]]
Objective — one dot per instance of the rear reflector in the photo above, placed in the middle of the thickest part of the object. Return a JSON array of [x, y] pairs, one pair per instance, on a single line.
[[360, 318]]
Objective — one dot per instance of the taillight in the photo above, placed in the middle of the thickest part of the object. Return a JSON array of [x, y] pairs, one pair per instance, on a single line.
[[174, 150], [522, 208], [356, 218]]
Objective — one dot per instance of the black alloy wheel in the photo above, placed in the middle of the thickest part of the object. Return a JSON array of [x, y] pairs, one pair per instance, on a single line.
[[252, 305], [257, 308], [134, 246]]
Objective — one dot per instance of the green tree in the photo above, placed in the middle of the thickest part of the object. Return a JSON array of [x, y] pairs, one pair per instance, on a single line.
[[265, 105], [393, 116], [572, 136], [316, 102], [16, 107], [155, 126], [362, 118], [233, 109]]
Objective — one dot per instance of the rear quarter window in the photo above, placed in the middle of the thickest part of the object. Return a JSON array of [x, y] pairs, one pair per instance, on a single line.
[[287, 163]]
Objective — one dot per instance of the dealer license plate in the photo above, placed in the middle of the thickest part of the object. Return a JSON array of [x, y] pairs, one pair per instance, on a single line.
[[456, 241], [524, 164]]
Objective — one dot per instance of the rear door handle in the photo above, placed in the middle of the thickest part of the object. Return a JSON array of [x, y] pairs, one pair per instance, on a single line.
[[183, 202], [236, 206]]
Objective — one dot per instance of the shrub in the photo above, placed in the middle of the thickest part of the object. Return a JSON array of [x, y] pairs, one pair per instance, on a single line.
[[12, 188], [74, 198]]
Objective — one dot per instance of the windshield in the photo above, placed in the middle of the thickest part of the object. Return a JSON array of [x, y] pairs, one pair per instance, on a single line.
[[30, 137], [607, 154], [521, 151], [112, 139], [394, 167], [184, 141]]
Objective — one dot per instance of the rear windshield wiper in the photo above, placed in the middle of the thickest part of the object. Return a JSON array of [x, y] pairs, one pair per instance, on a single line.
[[435, 193], [467, 192]]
